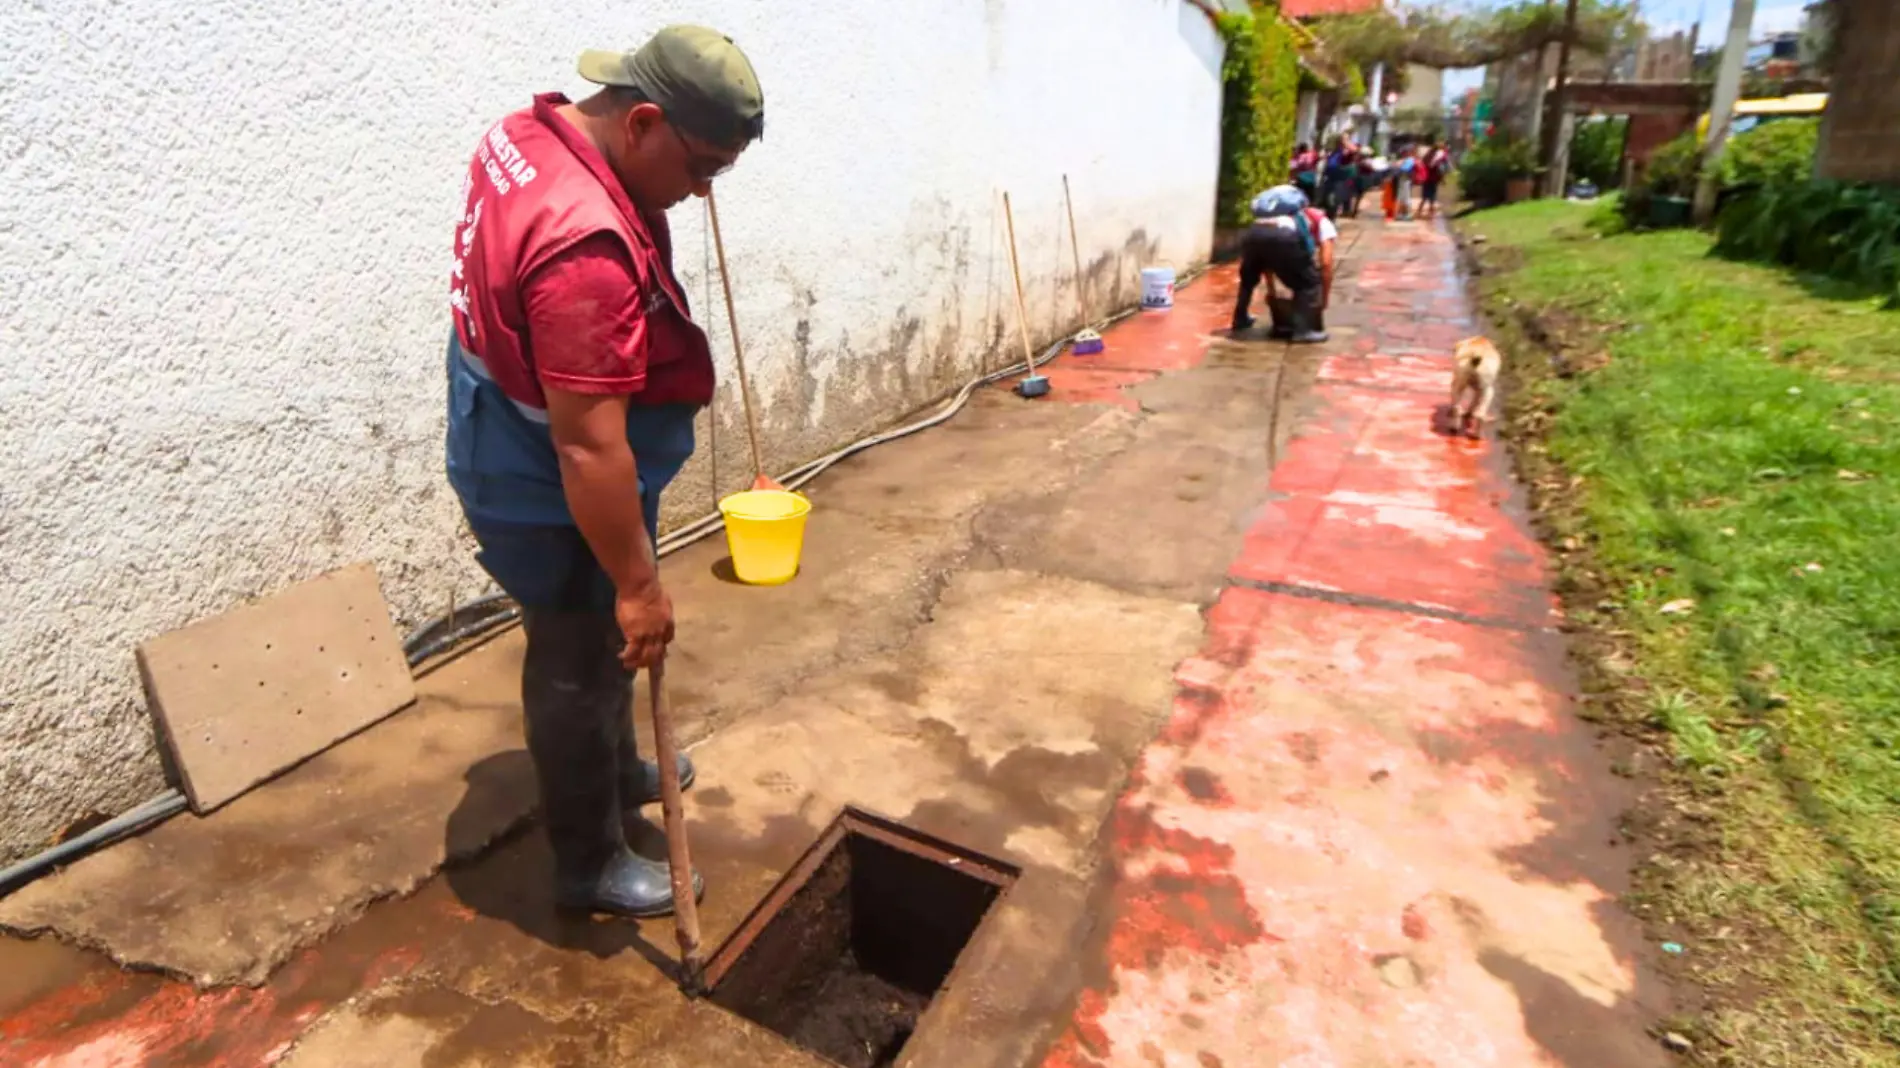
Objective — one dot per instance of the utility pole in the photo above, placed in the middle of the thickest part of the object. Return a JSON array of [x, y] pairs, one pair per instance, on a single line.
[[1728, 86], [1537, 97], [1375, 106], [1559, 151]]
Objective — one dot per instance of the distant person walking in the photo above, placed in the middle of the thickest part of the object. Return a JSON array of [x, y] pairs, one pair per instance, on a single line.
[[1340, 194], [1437, 166], [1389, 190], [1402, 182], [1305, 170]]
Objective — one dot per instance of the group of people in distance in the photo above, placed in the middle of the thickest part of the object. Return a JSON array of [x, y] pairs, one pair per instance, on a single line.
[[1293, 237], [1408, 180]]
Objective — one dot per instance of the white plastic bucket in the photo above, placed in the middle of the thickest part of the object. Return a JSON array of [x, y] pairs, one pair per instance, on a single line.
[[1157, 287]]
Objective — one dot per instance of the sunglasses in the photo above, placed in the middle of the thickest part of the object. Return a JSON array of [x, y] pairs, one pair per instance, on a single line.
[[701, 167]]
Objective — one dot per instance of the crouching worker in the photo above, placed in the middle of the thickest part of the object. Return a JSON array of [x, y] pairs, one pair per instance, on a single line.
[[1293, 242]]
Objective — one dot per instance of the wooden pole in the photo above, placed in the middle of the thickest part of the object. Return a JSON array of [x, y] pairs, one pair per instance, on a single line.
[[1075, 246], [1015, 272], [678, 855], [1559, 161], [738, 354]]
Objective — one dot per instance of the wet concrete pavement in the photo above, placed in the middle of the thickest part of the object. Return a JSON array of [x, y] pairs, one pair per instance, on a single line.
[[1372, 832], [1289, 769]]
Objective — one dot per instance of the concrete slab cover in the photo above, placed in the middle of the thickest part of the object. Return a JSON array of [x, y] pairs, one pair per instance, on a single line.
[[241, 696]]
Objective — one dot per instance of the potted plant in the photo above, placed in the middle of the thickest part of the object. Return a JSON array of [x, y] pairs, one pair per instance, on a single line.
[[1520, 171], [1497, 170], [1660, 198]]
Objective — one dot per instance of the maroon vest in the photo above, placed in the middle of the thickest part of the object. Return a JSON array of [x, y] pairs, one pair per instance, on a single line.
[[535, 188]]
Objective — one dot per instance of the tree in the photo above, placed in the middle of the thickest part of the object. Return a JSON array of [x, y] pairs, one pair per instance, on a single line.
[[1445, 39]]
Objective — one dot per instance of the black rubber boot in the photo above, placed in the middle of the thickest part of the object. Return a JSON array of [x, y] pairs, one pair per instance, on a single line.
[[574, 694], [640, 779]]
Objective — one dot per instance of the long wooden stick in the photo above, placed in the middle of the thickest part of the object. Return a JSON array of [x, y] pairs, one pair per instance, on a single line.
[[1075, 246], [1273, 414], [738, 353], [678, 855], [1022, 312]]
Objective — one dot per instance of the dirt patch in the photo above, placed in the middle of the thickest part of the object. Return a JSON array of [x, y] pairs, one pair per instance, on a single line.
[[854, 958]]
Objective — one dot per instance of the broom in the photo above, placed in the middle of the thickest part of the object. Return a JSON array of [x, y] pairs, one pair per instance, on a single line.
[[760, 481], [1088, 342], [1033, 384]]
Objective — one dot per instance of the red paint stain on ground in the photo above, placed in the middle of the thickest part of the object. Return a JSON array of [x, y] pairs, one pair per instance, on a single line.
[[116, 1017], [1144, 345]]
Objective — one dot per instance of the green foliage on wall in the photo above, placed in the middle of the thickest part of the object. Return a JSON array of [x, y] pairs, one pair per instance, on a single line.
[[1261, 81], [1355, 84]]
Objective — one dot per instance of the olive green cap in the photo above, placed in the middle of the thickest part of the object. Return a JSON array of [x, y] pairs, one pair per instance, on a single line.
[[696, 75]]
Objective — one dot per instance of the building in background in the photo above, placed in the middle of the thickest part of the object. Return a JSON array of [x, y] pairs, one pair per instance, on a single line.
[[1664, 59]]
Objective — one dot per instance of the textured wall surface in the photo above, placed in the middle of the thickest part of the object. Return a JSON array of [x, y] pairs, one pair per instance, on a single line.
[[223, 260]]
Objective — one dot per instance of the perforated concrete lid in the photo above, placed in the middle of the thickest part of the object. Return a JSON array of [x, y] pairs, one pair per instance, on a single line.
[[242, 696]]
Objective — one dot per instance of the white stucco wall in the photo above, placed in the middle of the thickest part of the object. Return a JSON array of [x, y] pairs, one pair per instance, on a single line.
[[224, 241]]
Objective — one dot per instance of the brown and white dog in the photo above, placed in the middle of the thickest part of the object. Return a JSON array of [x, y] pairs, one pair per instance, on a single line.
[[1475, 367]]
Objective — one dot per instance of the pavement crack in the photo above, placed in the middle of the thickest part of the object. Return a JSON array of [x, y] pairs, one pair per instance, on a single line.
[[1360, 600]]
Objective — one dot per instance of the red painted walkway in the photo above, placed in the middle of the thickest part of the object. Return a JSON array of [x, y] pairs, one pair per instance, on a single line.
[[1372, 834]]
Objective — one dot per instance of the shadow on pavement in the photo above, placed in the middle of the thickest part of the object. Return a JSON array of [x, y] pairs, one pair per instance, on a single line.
[[513, 882]]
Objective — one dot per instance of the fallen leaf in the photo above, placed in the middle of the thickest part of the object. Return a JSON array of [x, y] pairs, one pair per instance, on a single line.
[[1851, 476], [1677, 607]]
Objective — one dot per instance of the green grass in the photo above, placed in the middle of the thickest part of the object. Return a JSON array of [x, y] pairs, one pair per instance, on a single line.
[[1736, 460]]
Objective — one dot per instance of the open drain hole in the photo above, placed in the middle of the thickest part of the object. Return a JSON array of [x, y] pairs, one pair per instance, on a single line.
[[853, 944]]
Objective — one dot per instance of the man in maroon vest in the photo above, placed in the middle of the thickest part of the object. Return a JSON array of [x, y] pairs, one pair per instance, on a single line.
[[575, 371]]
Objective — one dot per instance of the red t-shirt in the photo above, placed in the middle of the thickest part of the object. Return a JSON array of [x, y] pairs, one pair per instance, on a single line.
[[586, 321], [587, 325]]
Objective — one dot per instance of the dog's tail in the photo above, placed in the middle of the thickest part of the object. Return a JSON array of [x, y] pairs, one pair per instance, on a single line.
[[1470, 355]]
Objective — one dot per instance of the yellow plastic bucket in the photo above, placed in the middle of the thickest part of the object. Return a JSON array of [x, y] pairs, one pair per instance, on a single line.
[[765, 531]]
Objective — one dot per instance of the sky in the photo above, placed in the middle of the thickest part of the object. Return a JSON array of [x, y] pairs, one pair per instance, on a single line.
[[1666, 17]]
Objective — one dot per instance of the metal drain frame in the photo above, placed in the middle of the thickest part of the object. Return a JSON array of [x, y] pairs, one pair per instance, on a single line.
[[881, 829]]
